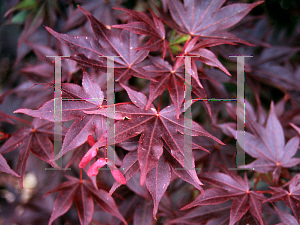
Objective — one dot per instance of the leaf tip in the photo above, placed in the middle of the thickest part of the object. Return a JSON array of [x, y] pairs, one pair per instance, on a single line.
[[87, 158], [295, 127], [93, 170], [49, 29], [84, 11], [184, 207], [18, 111], [259, 2], [118, 176]]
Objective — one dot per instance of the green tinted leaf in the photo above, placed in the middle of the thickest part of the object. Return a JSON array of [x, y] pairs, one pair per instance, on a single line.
[[24, 5], [20, 17]]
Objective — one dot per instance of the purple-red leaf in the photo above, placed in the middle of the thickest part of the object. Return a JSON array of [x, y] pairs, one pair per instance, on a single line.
[[154, 127], [173, 78], [238, 208], [35, 139], [145, 26], [142, 214], [207, 18], [269, 147], [83, 193], [157, 181], [88, 97], [236, 188]]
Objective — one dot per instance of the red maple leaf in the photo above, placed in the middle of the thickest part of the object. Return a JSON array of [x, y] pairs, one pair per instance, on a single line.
[[230, 185], [82, 192]]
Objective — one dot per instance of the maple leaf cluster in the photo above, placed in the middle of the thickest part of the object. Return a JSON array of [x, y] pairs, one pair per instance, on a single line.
[[134, 155]]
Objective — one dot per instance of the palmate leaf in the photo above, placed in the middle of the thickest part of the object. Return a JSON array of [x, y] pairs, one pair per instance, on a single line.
[[150, 140], [217, 215], [269, 148], [269, 66], [230, 186], [207, 18], [69, 67], [204, 55], [211, 214], [87, 97], [107, 43], [157, 179], [146, 26], [82, 193], [291, 198], [34, 95], [172, 77], [102, 10], [154, 127], [35, 139]]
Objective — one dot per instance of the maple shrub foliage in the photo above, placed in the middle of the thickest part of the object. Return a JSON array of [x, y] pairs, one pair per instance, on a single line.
[[150, 176]]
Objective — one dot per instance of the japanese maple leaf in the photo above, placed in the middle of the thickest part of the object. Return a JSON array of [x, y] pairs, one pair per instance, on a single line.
[[45, 69], [212, 214], [88, 97], [207, 18], [268, 66], [35, 139], [102, 10], [35, 95], [173, 78], [215, 215], [154, 127], [204, 55], [107, 43], [217, 153], [146, 26], [82, 192], [291, 198], [268, 147], [157, 180], [230, 186], [271, 64]]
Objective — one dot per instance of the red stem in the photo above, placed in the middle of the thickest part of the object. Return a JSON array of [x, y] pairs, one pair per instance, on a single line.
[[19, 119], [121, 103], [263, 192], [159, 104]]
